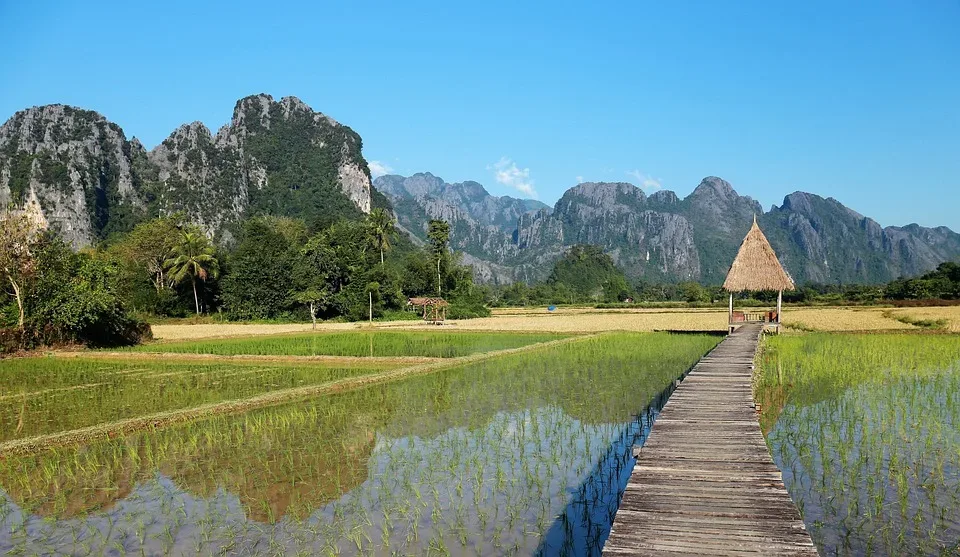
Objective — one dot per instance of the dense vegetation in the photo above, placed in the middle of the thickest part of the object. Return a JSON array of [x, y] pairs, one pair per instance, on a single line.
[[278, 269], [52, 294]]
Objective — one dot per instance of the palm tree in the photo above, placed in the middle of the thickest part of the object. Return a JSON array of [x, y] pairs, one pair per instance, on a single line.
[[438, 232], [381, 228], [193, 257]]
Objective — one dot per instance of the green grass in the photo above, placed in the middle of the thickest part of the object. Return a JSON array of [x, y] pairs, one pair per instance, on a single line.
[[481, 457], [866, 430], [379, 343], [47, 395]]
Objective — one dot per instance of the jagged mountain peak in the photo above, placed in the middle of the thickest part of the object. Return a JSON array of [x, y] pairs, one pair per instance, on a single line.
[[715, 190], [90, 181], [257, 111], [714, 185], [424, 185], [664, 197], [603, 194]]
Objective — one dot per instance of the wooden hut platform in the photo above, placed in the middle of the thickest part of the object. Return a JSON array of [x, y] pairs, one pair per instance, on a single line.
[[704, 482]]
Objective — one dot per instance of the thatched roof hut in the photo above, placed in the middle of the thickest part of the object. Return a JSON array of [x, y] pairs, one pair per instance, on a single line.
[[427, 302], [756, 266], [434, 309]]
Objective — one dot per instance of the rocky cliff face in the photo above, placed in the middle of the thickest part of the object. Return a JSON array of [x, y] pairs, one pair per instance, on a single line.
[[74, 165], [617, 216], [481, 225], [277, 157], [821, 240], [468, 201], [663, 237]]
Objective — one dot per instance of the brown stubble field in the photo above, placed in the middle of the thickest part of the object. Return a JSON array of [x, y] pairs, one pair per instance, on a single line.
[[589, 320]]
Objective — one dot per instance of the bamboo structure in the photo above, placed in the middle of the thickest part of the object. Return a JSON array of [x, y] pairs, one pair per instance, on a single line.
[[756, 268], [434, 310]]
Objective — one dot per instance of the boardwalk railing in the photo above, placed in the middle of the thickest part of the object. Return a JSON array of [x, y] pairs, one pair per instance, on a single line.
[[704, 482]]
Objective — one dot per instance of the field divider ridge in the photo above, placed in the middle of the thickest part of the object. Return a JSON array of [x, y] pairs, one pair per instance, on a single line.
[[101, 432], [188, 356]]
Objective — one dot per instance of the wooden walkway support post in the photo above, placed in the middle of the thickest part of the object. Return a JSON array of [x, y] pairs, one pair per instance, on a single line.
[[704, 482]]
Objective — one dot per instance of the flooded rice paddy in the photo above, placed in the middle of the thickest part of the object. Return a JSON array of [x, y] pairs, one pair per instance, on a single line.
[[524, 453], [374, 344], [868, 439]]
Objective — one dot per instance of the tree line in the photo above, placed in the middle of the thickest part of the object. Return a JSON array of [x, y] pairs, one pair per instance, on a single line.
[[277, 269]]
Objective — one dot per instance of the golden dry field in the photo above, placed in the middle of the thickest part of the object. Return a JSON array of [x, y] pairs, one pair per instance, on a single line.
[[842, 319], [949, 314], [589, 320]]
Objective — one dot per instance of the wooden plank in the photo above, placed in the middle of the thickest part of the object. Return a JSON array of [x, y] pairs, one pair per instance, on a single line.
[[704, 482]]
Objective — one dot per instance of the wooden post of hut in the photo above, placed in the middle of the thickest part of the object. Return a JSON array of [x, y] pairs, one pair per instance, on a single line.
[[756, 268]]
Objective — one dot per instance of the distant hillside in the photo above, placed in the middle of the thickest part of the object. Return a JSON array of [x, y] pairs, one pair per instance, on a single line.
[[663, 237], [276, 157]]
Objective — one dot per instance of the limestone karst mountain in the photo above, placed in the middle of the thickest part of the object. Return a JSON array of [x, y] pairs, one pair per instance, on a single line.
[[90, 180], [663, 237], [81, 174]]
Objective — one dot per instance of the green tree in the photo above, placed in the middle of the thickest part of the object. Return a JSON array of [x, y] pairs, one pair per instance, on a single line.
[[381, 228], [72, 297], [149, 245], [192, 257], [260, 281], [438, 233], [591, 273], [18, 243]]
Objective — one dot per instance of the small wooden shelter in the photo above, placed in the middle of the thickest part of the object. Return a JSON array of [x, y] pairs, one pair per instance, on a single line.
[[756, 268], [433, 309]]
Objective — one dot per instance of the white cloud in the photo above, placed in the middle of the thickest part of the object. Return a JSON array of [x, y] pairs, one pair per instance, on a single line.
[[644, 181], [378, 168], [579, 179], [506, 172]]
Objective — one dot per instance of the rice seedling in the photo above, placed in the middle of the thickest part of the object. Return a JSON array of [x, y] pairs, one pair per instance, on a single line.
[[521, 453], [372, 344], [866, 430], [55, 394]]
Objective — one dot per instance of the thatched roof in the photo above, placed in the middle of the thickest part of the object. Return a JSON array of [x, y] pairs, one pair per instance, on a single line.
[[756, 266], [427, 302]]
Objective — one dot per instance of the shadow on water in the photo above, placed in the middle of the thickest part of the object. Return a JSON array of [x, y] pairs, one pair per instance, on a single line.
[[585, 523]]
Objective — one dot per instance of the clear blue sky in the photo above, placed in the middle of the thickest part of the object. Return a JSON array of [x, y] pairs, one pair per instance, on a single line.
[[855, 100]]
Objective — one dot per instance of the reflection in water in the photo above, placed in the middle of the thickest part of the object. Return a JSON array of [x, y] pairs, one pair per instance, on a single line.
[[876, 469], [498, 489], [523, 455]]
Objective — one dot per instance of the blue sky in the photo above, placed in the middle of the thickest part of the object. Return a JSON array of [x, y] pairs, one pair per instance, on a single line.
[[854, 100]]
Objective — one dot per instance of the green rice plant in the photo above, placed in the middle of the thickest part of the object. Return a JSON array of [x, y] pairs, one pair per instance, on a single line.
[[482, 456], [866, 430], [438, 344], [104, 391]]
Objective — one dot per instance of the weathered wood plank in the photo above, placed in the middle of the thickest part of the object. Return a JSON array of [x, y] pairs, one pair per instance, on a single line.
[[704, 482]]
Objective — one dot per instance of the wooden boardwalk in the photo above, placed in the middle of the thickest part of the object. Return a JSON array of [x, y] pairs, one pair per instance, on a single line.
[[704, 482]]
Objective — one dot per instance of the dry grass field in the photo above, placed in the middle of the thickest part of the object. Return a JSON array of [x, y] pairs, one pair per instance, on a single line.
[[589, 320], [949, 314], [841, 319]]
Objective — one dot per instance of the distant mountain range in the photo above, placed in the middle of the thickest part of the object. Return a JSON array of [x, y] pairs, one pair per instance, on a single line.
[[89, 181], [663, 237]]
